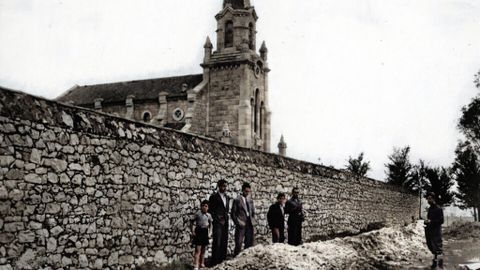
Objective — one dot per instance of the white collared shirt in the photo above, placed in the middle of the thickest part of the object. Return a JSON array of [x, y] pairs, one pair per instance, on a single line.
[[224, 199], [245, 202]]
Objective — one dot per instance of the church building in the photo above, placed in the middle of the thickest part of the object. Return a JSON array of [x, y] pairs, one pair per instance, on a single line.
[[228, 101]]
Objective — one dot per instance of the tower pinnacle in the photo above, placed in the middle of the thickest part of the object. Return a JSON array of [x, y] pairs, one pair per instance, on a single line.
[[208, 44], [263, 51], [282, 147]]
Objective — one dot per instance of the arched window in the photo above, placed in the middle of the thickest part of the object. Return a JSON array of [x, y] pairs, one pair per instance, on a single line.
[[146, 117], [251, 37], [262, 120], [252, 105], [255, 121], [229, 34]]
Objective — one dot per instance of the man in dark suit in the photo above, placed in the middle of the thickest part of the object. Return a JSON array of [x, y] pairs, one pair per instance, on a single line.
[[243, 215], [294, 209], [433, 231], [218, 207], [276, 219]]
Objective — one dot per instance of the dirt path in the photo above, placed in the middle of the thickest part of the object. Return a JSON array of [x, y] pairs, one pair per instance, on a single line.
[[456, 253]]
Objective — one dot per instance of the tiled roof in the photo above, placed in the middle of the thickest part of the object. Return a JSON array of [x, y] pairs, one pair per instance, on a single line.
[[142, 90]]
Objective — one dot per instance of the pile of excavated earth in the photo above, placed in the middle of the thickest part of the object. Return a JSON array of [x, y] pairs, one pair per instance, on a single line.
[[387, 248]]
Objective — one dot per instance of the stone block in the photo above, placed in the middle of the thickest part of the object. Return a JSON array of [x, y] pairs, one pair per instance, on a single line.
[[58, 165], [6, 238], [33, 178], [51, 244], [16, 195], [36, 156], [15, 174], [6, 161], [26, 237], [66, 261], [125, 260], [52, 208], [113, 259], [83, 260], [13, 227], [3, 193], [98, 264]]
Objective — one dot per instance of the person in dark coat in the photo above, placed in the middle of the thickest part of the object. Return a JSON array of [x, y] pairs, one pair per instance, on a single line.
[[218, 207], [294, 209], [433, 231], [276, 219]]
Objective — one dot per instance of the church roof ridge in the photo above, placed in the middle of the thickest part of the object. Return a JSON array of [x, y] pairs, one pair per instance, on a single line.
[[144, 89], [139, 80]]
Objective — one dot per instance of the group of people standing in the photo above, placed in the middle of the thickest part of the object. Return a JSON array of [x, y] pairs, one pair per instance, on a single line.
[[216, 213]]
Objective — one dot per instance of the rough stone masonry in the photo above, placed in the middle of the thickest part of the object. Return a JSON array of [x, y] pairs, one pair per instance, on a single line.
[[82, 189]]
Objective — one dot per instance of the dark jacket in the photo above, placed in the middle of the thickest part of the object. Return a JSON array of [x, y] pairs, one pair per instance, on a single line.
[[217, 209], [435, 215], [275, 217], [294, 209]]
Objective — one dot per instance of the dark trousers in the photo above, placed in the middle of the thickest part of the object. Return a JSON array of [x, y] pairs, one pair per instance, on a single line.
[[243, 236], [294, 232], [219, 243], [434, 240], [280, 238]]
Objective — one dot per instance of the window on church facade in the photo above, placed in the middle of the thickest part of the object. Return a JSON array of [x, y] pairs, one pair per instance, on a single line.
[[146, 117], [252, 105], [262, 116], [256, 105], [178, 114], [229, 34], [251, 36]]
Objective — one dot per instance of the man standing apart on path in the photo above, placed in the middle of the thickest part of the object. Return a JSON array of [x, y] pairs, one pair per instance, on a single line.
[[243, 215], [294, 209], [218, 207], [276, 219], [433, 231]]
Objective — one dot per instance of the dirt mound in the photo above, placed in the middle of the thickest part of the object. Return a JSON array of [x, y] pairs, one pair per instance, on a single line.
[[462, 230], [387, 248]]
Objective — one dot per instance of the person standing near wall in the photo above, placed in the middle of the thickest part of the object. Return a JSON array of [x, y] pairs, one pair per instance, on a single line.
[[243, 215], [433, 231], [219, 204], [276, 219], [201, 224], [294, 209]]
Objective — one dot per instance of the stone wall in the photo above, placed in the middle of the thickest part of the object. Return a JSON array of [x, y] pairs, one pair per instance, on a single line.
[[82, 189]]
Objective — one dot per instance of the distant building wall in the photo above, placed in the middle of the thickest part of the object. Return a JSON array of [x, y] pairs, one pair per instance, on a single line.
[[82, 189]]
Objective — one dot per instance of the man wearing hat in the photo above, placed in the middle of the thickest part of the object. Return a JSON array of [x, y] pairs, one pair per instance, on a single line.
[[433, 231]]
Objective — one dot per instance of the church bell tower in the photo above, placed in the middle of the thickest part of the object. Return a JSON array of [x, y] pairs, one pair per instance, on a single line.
[[237, 78]]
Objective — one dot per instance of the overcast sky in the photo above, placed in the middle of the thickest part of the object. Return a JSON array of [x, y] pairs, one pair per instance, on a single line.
[[347, 76]]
